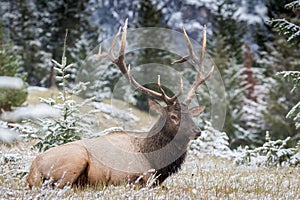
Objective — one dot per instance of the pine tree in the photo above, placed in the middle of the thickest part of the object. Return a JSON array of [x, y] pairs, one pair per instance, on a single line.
[[289, 29], [228, 33], [59, 16], [281, 55], [34, 26], [292, 32], [19, 21], [225, 46], [16, 93]]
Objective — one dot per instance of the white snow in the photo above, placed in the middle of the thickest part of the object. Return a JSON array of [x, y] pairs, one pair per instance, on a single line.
[[115, 112], [36, 88], [175, 18], [199, 3], [11, 82], [256, 16], [8, 136], [31, 112]]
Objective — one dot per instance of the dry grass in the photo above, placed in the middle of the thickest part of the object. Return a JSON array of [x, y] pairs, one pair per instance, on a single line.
[[104, 120], [200, 178]]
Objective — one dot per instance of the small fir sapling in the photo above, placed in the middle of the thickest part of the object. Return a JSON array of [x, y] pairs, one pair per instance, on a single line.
[[72, 124], [211, 142], [270, 154]]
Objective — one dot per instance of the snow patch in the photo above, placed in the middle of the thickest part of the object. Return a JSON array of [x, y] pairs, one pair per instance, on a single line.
[[11, 82], [115, 112], [36, 88], [8, 136], [31, 112], [199, 3]]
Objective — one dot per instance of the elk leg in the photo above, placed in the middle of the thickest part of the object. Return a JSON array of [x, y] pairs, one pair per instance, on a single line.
[[34, 178], [62, 165]]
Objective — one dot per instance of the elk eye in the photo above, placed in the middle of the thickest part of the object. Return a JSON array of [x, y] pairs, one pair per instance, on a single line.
[[174, 117]]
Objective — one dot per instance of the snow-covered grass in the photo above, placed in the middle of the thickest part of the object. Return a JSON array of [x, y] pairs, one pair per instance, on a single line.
[[207, 177], [203, 176]]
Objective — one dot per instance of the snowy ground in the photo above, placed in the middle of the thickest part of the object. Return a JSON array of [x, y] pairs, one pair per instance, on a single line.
[[200, 178]]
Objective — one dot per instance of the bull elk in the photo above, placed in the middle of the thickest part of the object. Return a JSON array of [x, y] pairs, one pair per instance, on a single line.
[[125, 156]]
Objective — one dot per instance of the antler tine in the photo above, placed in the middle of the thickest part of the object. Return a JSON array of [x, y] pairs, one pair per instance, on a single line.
[[191, 50], [123, 40], [201, 66], [199, 78], [120, 61], [189, 44], [99, 55], [111, 54], [142, 88], [173, 99], [162, 95], [167, 99]]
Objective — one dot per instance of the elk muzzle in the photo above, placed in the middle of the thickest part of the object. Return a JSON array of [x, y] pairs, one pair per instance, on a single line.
[[196, 133]]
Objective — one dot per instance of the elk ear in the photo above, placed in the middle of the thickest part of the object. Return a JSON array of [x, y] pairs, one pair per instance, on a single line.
[[155, 107], [196, 110]]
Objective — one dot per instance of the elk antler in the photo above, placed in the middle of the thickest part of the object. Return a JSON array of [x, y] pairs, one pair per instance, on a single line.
[[120, 62], [199, 78]]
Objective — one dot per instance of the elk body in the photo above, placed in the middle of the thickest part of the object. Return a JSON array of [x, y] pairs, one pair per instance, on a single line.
[[127, 157]]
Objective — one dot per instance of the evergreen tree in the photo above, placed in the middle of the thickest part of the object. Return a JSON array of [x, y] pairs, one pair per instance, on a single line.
[[15, 93], [228, 33], [20, 22], [225, 46], [280, 55], [292, 32], [35, 26], [59, 16]]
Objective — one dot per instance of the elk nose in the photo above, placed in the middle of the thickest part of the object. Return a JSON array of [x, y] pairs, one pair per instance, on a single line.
[[197, 132]]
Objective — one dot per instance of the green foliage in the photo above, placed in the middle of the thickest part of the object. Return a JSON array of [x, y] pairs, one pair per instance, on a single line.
[[271, 154], [226, 42], [294, 77], [278, 105], [12, 97], [294, 5], [294, 114], [280, 55], [291, 76], [9, 61], [35, 26], [225, 46], [235, 126], [148, 14], [290, 30], [9, 67]]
